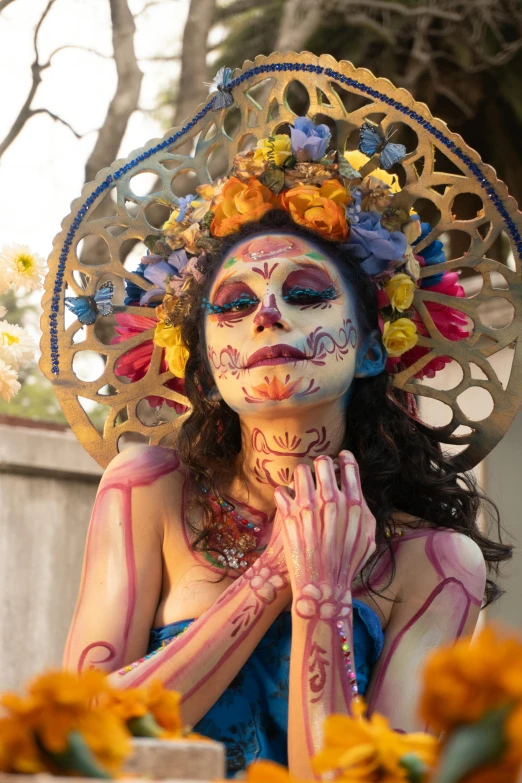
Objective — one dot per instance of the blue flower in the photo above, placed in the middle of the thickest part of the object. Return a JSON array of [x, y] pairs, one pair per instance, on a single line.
[[432, 254], [183, 204], [133, 292], [309, 141], [374, 245]]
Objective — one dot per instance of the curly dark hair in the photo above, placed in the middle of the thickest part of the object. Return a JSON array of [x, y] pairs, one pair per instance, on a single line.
[[401, 467]]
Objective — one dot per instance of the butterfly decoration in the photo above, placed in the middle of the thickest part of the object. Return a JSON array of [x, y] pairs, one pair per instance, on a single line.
[[88, 308], [221, 81], [373, 140]]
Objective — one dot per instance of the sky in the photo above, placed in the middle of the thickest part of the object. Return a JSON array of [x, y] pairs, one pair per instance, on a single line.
[[42, 171]]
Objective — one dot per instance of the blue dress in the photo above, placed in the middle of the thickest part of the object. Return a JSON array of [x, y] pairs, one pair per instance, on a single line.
[[251, 716]]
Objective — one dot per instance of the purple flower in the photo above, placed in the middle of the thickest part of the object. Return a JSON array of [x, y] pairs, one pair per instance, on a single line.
[[374, 245], [162, 272], [309, 141]]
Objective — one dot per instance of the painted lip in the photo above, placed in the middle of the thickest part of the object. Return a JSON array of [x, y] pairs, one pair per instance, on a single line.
[[275, 354]]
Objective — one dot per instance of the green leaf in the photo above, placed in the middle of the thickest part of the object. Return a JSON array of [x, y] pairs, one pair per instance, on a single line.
[[145, 726], [78, 758], [206, 221], [472, 746], [346, 169], [290, 162], [273, 179], [150, 242], [414, 766]]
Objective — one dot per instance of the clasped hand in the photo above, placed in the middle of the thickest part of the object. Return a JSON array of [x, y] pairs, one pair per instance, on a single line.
[[327, 533]]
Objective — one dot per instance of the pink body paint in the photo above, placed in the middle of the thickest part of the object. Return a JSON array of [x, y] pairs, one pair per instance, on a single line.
[[145, 469]]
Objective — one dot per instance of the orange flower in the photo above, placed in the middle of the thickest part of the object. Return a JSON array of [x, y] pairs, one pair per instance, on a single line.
[[270, 772], [164, 706], [238, 203], [18, 751], [276, 390], [59, 703], [319, 209], [463, 682], [365, 750]]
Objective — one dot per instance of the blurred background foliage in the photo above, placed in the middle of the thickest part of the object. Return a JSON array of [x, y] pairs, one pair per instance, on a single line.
[[461, 57]]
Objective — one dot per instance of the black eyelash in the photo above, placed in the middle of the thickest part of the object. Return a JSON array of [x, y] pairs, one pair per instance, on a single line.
[[244, 300], [298, 294]]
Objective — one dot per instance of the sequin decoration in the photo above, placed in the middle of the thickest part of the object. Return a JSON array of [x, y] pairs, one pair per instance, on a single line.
[[347, 655], [235, 541], [164, 644]]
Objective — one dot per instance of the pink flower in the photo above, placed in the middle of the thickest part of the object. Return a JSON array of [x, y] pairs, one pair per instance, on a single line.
[[451, 323], [135, 363]]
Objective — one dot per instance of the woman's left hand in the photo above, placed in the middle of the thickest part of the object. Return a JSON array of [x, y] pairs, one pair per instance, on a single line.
[[328, 533]]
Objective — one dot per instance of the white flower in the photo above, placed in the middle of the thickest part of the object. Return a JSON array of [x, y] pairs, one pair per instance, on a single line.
[[21, 267], [9, 385], [16, 346], [3, 311]]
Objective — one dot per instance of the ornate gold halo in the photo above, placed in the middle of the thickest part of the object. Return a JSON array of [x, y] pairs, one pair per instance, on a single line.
[[255, 114]]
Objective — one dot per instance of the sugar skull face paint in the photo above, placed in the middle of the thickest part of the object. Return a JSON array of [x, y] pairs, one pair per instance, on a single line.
[[280, 327]]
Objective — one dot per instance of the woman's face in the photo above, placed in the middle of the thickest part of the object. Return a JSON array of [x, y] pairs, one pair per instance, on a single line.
[[280, 327]]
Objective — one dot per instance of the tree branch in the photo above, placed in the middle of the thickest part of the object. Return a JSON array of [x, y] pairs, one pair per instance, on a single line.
[[4, 4], [80, 49], [56, 118], [36, 69], [300, 19]]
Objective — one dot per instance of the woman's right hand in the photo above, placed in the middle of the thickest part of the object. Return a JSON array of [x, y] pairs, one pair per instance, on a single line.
[[268, 576]]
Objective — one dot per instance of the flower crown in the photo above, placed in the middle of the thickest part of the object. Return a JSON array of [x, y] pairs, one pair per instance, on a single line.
[[326, 192]]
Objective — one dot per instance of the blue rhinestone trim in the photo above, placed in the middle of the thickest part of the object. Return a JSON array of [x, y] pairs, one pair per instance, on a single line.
[[474, 168]]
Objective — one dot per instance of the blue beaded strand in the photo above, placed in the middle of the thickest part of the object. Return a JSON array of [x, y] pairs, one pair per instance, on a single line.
[[294, 67]]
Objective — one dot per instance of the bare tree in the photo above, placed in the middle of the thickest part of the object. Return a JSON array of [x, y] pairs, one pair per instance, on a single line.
[[37, 68]]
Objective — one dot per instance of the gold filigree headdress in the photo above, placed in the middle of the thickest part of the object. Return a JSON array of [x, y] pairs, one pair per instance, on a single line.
[[436, 172]]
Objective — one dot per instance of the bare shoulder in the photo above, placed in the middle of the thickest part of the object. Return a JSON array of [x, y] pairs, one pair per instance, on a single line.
[[143, 467], [442, 554]]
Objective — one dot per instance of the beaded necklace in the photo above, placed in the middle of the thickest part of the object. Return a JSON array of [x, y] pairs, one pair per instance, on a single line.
[[234, 537]]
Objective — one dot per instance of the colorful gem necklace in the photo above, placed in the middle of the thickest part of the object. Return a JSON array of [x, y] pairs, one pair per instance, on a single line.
[[234, 538]]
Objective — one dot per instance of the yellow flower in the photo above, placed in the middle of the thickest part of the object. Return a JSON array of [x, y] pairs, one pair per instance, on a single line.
[[399, 336], [358, 160], [400, 290], [171, 225], [466, 680], [274, 148], [367, 750], [176, 354]]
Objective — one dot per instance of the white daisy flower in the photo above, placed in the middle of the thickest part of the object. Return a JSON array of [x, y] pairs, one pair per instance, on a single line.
[[21, 267], [9, 385], [16, 346]]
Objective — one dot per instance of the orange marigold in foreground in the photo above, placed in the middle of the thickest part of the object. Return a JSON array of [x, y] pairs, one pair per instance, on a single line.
[[358, 749], [270, 772], [466, 680], [58, 703]]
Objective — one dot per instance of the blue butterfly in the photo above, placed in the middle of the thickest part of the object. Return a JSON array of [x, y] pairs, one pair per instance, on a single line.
[[88, 308], [221, 81], [373, 140]]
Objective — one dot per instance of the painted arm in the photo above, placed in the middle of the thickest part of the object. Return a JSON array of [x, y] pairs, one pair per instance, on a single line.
[[121, 584], [329, 533], [442, 579]]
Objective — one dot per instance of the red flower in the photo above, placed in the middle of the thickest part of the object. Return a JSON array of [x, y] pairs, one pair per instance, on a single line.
[[134, 364]]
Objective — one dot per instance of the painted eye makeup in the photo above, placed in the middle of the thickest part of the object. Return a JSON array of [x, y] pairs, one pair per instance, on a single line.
[[309, 286], [231, 299]]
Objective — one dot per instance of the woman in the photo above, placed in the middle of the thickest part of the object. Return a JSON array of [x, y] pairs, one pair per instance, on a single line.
[[306, 541]]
